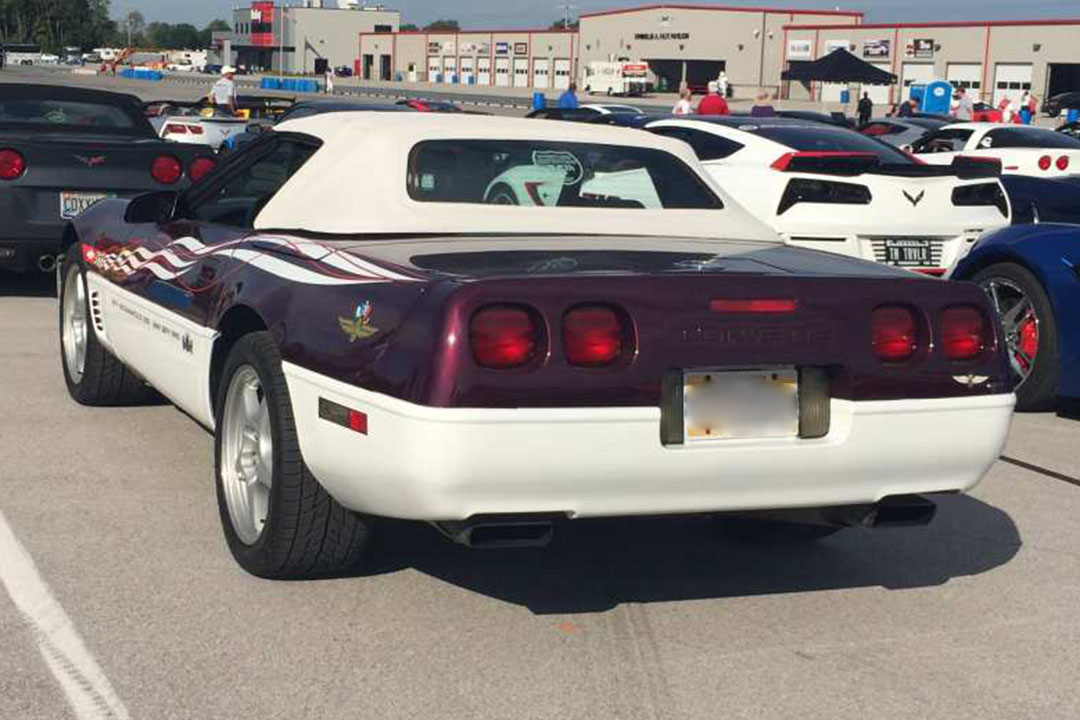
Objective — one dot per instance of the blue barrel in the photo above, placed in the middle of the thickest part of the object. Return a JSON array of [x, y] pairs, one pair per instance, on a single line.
[[269, 83], [539, 101]]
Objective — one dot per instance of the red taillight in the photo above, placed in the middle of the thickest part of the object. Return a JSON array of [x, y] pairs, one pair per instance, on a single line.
[[763, 305], [199, 167], [963, 331], [175, 129], [12, 165], [592, 335], [1044, 162], [1063, 163], [166, 169], [895, 333], [504, 336]]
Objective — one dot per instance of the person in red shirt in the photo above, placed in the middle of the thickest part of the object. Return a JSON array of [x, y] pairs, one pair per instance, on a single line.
[[713, 104]]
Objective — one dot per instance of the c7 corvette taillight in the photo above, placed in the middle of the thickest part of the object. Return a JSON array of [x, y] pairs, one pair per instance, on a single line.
[[12, 164], [963, 332], [593, 335], [894, 333], [504, 336]]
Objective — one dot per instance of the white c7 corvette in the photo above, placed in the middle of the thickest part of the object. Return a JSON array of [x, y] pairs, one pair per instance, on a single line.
[[832, 189], [1022, 149]]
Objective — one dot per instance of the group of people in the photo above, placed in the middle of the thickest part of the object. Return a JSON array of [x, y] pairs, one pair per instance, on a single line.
[[714, 102]]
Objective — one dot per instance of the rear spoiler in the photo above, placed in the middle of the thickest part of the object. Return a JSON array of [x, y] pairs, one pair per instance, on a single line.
[[964, 167], [969, 167]]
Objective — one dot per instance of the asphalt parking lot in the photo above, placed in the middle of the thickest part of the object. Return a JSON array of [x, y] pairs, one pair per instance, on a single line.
[[124, 602]]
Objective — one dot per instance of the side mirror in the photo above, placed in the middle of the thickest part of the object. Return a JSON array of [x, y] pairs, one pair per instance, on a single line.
[[152, 207]]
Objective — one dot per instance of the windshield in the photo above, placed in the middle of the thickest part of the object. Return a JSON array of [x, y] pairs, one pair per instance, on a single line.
[[822, 138], [1027, 137], [553, 174]]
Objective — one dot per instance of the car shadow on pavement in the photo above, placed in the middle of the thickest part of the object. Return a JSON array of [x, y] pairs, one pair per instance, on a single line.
[[31, 284], [595, 565]]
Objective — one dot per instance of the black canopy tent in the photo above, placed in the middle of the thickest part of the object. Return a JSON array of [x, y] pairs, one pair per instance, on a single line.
[[839, 66]]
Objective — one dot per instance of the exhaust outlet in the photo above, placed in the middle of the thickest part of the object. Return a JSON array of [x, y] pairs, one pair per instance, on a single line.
[[46, 263], [900, 511], [484, 532]]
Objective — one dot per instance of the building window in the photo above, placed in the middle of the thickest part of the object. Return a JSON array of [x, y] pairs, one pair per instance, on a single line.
[[384, 28]]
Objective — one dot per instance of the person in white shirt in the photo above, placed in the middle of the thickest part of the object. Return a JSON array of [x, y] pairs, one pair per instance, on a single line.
[[722, 84], [329, 81], [683, 107], [223, 94]]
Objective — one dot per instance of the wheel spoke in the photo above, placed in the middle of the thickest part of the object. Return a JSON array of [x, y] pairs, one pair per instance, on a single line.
[[250, 400], [1011, 318]]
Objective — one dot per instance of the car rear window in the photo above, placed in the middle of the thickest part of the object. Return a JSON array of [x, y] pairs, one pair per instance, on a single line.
[[707, 146], [65, 114], [946, 140], [553, 174], [1026, 137], [822, 138]]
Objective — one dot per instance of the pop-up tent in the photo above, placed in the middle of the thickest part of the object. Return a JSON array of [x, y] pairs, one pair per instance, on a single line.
[[839, 66]]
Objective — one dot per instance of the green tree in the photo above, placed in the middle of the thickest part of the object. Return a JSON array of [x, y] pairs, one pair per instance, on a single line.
[[443, 26], [561, 25], [206, 35], [409, 27]]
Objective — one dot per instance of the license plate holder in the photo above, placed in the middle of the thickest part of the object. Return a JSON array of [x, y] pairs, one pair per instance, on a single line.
[[722, 404], [73, 203], [909, 252]]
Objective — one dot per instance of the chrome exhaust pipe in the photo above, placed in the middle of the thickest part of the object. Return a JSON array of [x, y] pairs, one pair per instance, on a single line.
[[46, 263], [500, 531]]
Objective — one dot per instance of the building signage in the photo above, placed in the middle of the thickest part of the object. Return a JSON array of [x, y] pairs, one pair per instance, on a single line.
[[831, 45], [433, 48], [799, 49], [262, 24], [521, 48], [502, 48], [662, 36], [920, 48], [876, 48]]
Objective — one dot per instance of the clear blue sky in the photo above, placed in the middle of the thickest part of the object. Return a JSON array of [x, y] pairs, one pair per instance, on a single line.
[[540, 13]]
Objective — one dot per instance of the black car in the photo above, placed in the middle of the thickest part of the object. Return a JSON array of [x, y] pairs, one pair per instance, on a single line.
[[1053, 106], [306, 108], [62, 149]]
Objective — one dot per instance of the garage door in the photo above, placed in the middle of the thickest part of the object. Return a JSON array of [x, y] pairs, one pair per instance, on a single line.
[[541, 73], [449, 69], [967, 76], [468, 77], [879, 94], [434, 69], [562, 74], [502, 72], [483, 71], [1010, 81], [521, 72], [915, 74]]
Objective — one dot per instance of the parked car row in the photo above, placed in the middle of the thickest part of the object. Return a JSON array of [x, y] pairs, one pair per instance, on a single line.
[[496, 325]]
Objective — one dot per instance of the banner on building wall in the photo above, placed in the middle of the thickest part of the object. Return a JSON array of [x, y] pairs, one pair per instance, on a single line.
[[920, 48], [433, 48], [831, 45], [521, 48], [799, 49], [502, 48], [876, 48], [262, 24]]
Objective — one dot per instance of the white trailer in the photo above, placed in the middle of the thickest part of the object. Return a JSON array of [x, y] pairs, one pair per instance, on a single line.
[[616, 77]]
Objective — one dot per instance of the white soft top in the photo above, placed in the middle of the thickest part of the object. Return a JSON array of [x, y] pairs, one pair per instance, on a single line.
[[356, 182]]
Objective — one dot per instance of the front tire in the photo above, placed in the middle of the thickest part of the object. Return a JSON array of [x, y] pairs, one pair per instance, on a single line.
[[278, 521], [93, 375], [1031, 335]]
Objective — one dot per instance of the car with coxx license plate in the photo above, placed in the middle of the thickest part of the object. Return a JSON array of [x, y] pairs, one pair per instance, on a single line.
[[1021, 149], [367, 337], [835, 190], [63, 149], [1032, 274]]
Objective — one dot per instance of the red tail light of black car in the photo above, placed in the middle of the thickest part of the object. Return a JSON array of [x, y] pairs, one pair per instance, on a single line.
[[12, 164], [594, 335], [200, 168], [964, 332], [894, 333], [505, 336], [166, 169]]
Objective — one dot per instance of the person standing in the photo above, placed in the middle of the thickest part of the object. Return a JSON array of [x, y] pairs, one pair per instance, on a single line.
[[964, 107], [713, 104], [906, 109], [683, 106], [762, 106], [568, 100], [866, 109], [329, 81], [223, 94], [722, 84]]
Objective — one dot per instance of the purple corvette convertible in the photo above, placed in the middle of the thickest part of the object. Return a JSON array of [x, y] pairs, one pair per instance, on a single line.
[[496, 325]]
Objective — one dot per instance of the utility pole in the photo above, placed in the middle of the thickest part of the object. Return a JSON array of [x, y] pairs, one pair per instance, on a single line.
[[566, 8]]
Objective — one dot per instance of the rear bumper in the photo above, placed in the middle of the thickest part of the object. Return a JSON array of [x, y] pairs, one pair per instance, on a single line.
[[22, 243], [946, 250], [426, 463]]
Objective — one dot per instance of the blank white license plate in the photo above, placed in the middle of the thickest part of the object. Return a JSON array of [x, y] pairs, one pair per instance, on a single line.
[[739, 404], [72, 204]]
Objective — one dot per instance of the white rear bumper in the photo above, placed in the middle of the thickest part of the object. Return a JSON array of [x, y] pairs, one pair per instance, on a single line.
[[426, 463]]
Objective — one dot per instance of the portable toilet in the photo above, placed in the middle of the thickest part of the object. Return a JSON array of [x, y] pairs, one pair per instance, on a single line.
[[937, 98]]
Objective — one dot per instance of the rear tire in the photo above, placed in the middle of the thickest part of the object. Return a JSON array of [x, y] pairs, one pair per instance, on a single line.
[[759, 531], [93, 375], [502, 194], [1037, 390], [278, 521]]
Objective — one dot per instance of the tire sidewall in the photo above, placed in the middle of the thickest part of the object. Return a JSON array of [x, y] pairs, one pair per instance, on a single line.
[[72, 262]]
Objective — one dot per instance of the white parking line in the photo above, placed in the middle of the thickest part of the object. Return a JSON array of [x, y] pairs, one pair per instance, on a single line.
[[87, 689]]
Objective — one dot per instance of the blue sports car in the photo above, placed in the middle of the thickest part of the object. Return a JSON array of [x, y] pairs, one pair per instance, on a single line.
[[1032, 273]]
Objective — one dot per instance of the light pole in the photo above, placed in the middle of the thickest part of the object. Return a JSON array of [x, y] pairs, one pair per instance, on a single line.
[[566, 8], [281, 55]]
